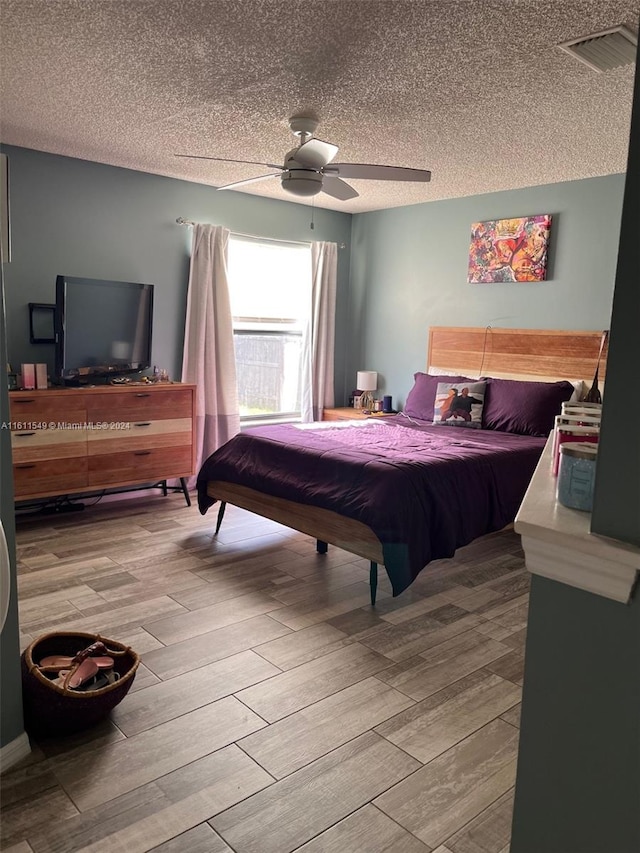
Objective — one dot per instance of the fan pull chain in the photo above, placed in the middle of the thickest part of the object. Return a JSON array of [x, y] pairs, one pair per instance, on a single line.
[[313, 210]]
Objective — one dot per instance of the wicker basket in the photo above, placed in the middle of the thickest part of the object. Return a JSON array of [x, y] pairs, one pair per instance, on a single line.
[[50, 709]]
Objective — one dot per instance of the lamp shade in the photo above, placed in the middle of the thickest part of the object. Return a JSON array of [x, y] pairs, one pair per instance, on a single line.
[[367, 380]]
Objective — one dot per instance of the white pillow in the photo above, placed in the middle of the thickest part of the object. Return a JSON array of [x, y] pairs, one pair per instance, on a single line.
[[578, 390]]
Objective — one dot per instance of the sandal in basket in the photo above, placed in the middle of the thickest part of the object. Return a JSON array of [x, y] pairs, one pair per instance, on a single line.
[[74, 678], [58, 662], [103, 679]]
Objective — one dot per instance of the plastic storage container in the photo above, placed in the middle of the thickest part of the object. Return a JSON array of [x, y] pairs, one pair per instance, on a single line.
[[570, 408], [568, 429], [576, 475]]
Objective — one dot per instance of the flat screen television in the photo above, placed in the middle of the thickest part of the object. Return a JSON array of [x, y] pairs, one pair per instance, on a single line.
[[103, 328]]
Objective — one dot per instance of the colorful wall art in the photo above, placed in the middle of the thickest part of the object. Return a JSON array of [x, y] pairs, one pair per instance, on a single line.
[[509, 249]]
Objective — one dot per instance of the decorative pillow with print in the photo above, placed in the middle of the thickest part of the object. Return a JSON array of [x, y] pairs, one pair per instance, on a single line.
[[422, 397], [459, 404]]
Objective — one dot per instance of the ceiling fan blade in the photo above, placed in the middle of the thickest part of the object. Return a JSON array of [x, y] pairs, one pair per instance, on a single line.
[[244, 183], [315, 153], [338, 189], [226, 160], [376, 173]]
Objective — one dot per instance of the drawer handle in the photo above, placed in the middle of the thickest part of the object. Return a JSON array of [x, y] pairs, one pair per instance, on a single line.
[[142, 453], [24, 467], [143, 395], [145, 423], [23, 434], [26, 401]]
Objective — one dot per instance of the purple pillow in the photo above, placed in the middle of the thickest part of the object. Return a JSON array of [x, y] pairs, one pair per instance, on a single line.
[[422, 397], [525, 408]]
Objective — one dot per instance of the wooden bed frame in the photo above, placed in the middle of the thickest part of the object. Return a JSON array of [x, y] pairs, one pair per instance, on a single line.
[[542, 354], [503, 353]]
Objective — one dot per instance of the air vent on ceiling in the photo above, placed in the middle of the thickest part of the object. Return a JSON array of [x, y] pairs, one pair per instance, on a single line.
[[606, 50]]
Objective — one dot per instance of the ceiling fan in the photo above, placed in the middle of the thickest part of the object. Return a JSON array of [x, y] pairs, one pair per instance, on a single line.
[[308, 169]]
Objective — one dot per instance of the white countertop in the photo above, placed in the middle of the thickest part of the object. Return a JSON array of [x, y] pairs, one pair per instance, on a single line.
[[559, 544]]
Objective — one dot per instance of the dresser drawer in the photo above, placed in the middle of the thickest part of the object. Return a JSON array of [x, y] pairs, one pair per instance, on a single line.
[[31, 445], [140, 435], [136, 466], [46, 406], [49, 476], [142, 405]]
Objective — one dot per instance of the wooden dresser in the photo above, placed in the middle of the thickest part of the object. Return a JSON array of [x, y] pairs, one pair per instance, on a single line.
[[71, 440]]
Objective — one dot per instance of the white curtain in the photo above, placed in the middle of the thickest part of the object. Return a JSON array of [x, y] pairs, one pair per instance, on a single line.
[[318, 346], [209, 356]]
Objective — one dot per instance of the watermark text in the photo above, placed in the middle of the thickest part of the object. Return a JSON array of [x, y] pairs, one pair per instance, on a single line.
[[66, 425]]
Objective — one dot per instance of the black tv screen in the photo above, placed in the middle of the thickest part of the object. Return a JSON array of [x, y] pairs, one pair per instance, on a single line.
[[103, 328]]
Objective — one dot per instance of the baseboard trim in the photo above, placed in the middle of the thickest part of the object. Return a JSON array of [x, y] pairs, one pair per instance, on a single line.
[[14, 751]]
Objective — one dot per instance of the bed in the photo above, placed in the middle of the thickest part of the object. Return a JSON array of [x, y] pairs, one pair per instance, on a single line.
[[402, 491]]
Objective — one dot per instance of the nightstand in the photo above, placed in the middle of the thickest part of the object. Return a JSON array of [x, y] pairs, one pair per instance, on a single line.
[[346, 413]]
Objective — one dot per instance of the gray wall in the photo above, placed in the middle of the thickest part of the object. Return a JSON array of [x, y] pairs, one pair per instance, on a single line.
[[409, 272], [616, 511], [11, 725], [85, 219], [578, 780]]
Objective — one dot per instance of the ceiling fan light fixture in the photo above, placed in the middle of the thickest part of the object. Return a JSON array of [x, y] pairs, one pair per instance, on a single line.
[[302, 182]]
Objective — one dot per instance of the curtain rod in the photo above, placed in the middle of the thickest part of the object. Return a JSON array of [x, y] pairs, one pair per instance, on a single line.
[[189, 222], [182, 221]]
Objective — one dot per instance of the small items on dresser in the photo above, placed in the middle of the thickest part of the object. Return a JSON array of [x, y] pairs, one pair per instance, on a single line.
[[575, 448], [28, 380], [34, 376], [582, 410], [579, 422], [42, 382], [576, 476]]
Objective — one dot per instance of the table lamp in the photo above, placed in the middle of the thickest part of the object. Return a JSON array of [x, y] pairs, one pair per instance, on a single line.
[[367, 381]]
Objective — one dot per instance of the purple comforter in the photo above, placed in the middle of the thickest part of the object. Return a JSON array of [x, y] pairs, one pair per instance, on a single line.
[[424, 490]]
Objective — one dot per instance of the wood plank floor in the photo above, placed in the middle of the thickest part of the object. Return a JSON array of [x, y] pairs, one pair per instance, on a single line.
[[274, 710]]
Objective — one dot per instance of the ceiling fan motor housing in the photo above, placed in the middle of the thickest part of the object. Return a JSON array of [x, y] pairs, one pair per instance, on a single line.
[[300, 181]]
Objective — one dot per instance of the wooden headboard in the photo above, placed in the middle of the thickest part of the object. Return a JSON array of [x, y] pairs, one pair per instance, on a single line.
[[516, 353]]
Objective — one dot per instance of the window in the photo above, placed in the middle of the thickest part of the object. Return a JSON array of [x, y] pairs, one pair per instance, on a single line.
[[269, 287]]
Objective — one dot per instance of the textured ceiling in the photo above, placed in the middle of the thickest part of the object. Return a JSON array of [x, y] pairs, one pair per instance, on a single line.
[[475, 90]]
